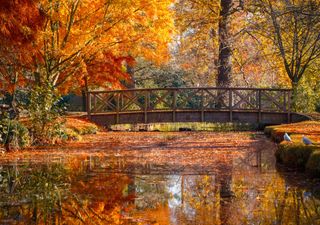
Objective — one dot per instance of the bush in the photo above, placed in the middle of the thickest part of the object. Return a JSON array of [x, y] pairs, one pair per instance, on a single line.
[[14, 134], [318, 107], [294, 155], [313, 164], [44, 109]]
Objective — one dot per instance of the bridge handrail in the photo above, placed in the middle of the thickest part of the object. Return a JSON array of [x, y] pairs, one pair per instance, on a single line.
[[191, 88], [202, 99]]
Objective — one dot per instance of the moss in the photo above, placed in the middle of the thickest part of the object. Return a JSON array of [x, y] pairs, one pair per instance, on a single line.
[[268, 130], [294, 154], [80, 126], [195, 126], [90, 129], [313, 164]]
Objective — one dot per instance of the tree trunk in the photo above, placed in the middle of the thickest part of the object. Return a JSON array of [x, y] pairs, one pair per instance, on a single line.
[[224, 60], [130, 70], [294, 96], [84, 92]]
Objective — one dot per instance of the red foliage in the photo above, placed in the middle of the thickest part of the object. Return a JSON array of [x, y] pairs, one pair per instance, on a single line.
[[19, 19]]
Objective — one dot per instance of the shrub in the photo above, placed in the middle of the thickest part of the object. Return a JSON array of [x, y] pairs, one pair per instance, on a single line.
[[44, 109], [294, 155], [14, 134], [313, 164], [318, 107]]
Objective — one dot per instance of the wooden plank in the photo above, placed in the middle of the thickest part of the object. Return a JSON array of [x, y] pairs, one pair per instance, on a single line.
[[146, 106], [174, 106], [119, 98], [216, 98], [273, 99], [259, 106], [230, 105], [161, 99], [188, 98], [193, 88], [243, 99], [89, 104], [132, 101], [202, 105], [289, 106]]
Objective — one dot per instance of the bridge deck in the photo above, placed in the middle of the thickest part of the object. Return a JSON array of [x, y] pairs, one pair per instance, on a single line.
[[253, 105]]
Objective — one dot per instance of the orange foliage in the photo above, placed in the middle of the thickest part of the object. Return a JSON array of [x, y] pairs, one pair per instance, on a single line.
[[83, 43], [19, 20], [296, 130], [90, 49]]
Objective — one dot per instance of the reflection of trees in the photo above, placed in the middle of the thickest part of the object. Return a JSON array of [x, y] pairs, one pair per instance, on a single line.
[[86, 191], [52, 194], [200, 201], [274, 203], [31, 194]]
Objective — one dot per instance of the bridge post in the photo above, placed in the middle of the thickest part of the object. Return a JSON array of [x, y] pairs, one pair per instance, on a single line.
[[174, 107], [230, 105], [118, 108], [146, 106], [89, 104], [202, 105], [289, 106], [259, 106]]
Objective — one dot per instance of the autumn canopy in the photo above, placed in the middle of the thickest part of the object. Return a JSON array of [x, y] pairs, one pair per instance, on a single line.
[[73, 46]]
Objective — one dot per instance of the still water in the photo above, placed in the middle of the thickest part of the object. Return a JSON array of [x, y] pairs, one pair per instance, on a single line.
[[156, 178]]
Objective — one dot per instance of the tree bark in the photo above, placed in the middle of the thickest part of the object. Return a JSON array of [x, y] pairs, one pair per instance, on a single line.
[[84, 92], [224, 60], [130, 70]]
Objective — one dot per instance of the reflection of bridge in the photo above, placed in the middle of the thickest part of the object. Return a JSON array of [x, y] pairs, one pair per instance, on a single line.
[[210, 104]]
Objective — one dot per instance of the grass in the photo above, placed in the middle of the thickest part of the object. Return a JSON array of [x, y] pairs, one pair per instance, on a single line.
[[296, 154], [172, 127], [75, 127], [72, 127]]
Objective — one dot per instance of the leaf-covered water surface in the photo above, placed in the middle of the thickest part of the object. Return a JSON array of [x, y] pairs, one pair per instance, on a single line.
[[155, 178]]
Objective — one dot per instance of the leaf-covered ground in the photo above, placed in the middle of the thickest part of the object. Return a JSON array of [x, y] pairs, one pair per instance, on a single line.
[[196, 149], [310, 129]]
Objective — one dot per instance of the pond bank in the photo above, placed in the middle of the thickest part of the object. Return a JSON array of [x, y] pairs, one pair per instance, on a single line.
[[296, 154]]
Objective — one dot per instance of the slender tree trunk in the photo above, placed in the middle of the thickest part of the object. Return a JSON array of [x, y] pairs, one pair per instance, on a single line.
[[130, 71], [224, 60], [84, 94], [294, 96]]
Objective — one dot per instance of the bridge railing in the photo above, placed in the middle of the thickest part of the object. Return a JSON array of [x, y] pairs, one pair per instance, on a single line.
[[188, 99]]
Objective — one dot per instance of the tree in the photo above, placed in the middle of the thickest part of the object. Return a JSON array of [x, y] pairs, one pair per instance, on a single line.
[[196, 44], [293, 28], [79, 44], [20, 22], [225, 49], [206, 30], [76, 39]]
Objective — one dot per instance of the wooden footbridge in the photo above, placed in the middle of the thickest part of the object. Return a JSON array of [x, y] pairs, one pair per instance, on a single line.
[[207, 104]]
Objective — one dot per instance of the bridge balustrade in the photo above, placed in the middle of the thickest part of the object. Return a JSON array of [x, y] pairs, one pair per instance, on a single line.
[[201, 101]]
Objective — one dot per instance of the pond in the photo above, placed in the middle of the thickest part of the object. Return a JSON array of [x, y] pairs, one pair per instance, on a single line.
[[156, 178]]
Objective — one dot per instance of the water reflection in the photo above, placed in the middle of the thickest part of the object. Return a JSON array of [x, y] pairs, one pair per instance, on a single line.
[[117, 190]]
